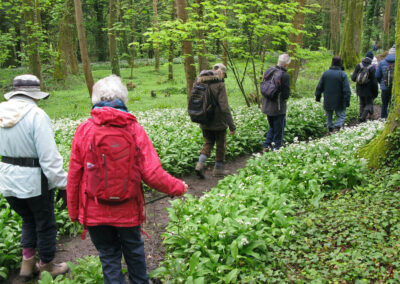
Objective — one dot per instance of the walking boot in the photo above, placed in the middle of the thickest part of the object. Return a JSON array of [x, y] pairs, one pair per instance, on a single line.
[[28, 267], [220, 172], [54, 269], [200, 170]]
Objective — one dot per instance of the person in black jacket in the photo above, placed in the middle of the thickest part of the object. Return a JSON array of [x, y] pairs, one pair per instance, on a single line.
[[335, 86], [367, 91], [276, 109]]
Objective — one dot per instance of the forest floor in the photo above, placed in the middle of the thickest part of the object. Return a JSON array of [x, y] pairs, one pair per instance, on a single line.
[[72, 248]]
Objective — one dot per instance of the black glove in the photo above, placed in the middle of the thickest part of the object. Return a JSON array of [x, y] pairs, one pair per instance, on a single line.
[[347, 103], [317, 99], [62, 194]]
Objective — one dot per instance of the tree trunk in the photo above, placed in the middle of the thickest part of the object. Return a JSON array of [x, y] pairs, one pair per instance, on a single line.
[[66, 44], [367, 33], [225, 46], [31, 29], [187, 52], [156, 45], [100, 36], [351, 42], [203, 64], [377, 150], [335, 26], [386, 25], [112, 38], [171, 47], [83, 46], [296, 41]]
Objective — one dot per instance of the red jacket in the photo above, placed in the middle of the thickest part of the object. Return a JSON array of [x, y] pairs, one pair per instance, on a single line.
[[127, 214]]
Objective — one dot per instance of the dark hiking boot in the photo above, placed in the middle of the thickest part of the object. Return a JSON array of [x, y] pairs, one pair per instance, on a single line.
[[200, 170], [28, 267], [220, 172], [53, 268]]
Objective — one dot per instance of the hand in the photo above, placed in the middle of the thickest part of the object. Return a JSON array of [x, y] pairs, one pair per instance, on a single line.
[[232, 132], [318, 99], [186, 187], [62, 194], [348, 104]]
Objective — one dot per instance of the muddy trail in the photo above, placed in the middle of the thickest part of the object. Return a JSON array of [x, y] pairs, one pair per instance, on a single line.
[[72, 248]]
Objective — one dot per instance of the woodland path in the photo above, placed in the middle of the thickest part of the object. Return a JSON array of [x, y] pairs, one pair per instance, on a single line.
[[72, 248]]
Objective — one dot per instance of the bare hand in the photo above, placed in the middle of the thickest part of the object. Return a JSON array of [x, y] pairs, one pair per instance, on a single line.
[[232, 132], [186, 187]]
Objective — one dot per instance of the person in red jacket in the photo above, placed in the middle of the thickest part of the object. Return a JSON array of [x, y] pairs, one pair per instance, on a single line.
[[114, 228]]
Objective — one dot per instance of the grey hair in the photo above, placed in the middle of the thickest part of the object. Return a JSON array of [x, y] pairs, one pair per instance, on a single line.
[[284, 59], [109, 89]]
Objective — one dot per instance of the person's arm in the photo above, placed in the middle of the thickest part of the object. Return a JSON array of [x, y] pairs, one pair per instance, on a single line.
[[285, 86], [50, 159], [355, 73], [224, 107], [378, 73], [320, 88], [346, 89], [374, 83], [75, 173], [150, 166]]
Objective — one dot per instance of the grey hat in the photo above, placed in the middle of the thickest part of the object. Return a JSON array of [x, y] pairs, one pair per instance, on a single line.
[[392, 50], [28, 85], [220, 66]]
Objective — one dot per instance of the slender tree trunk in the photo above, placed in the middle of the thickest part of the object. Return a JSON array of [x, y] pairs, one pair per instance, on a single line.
[[378, 149], [367, 33], [203, 64], [100, 36], [171, 47], [187, 52], [83, 46], [296, 42], [335, 25], [31, 29], [225, 45], [112, 38], [351, 42], [156, 45], [386, 25]]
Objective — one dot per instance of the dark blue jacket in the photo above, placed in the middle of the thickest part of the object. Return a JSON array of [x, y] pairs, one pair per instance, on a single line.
[[335, 86], [380, 71]]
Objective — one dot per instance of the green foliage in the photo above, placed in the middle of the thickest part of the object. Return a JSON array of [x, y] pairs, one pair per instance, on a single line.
[[88, 270], [241, 224]]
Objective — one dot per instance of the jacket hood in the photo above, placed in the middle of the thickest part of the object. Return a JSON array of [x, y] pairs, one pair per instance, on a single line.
[[210, 75], [12, 111], [391, 58], [366, 61], [111, 116]]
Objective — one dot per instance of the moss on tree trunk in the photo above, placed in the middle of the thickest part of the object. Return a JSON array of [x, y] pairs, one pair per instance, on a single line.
[[351, 41]]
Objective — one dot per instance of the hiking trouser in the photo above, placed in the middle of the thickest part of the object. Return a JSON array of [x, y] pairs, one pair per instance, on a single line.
[[386, 96], [212, 137], [38, 223], [274, 137], [113, 242], [366, 107], [340, 118]]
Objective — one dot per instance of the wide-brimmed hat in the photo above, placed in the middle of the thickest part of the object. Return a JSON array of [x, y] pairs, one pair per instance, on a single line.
[[28, 85]]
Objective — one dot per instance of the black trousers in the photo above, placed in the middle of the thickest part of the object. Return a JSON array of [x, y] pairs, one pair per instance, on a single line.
[[38, 223]]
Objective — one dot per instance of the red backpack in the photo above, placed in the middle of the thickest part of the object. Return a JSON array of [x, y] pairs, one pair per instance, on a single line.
[[111, 165]]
